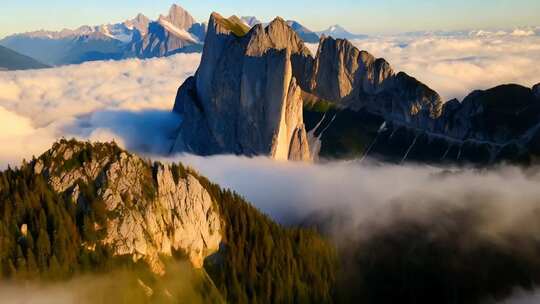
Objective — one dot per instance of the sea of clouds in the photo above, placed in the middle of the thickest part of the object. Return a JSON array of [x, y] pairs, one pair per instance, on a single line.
[[130, 101]]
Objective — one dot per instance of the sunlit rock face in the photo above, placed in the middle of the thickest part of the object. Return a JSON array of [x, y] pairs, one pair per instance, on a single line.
[[247, 96], [152, 211], [244, 98]]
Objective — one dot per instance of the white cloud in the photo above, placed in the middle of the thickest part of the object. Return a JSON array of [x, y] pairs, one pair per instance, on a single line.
[[454, 64], [355, 201], [119, 100], [288, 190]]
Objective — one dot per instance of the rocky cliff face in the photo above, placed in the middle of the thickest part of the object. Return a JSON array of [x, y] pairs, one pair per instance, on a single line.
[[355, 79], [248, 94], [152, 211], [244, 98]]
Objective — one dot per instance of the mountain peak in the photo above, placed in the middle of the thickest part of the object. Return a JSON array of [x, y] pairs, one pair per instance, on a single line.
[[278, 19], [277, 35], [140, 23], [140, 17], [338, 31], [179, 17]]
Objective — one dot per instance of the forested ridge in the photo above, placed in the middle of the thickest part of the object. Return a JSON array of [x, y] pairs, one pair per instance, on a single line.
[[45, 235], [262, 262]]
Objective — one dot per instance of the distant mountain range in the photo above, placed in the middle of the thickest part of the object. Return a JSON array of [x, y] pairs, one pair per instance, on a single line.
[[139, 37], [307, 35], [177, 32], [11, 60]]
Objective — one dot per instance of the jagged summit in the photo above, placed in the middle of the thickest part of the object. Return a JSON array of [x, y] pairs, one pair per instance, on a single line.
[[247, 95], [278, 35], [140, 23], [174, 33], [179, 17], [244, 98]]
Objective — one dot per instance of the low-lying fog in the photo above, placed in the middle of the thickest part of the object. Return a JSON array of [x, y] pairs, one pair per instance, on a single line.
[[458, 215]]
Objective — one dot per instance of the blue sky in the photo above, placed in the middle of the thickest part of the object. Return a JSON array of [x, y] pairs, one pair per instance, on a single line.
[[361, 16]]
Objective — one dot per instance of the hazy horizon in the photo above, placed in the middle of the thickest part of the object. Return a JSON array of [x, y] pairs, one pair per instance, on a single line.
[[365, 17]]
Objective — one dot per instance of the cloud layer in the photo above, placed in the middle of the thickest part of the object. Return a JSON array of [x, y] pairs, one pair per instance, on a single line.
[[404, 215], [129, 101], [292, 191]]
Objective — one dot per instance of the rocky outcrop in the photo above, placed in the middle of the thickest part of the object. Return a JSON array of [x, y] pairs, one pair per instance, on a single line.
[[356, 79], [152, 210], [244, 98]]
